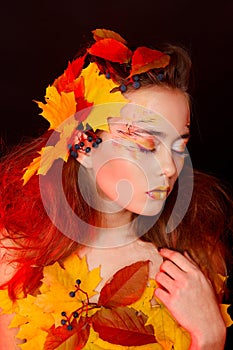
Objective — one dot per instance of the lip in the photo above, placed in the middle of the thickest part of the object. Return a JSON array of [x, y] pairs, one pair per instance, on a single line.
[[159, 193]]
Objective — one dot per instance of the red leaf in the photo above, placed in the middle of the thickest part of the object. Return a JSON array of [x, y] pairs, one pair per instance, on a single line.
[[126, 286], [111, 50], [100, 34], [66, 81], [123, 326], [81, 102], [145, 59], [59, 335]]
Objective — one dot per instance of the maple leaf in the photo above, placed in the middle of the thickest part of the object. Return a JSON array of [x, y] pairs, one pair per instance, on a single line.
[[111, 50], [66, 81], [145, 59], [33, 318], [105, 104], [124, 288], [55, 295], [168, 332], [58, 107], [122, 326], [100, 34], [32, 168], [36, 342], [6, 304]]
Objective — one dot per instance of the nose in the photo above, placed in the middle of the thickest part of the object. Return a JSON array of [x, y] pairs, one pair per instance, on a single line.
[[166, 162]]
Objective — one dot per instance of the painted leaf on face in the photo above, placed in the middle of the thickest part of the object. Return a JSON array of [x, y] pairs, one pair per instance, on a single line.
[[123, 326], [79, 334], [100, 34], [111, 50], [124, 288], [65, 82], [145, 59]]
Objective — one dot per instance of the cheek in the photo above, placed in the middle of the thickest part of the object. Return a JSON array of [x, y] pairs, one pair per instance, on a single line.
[[121, 179]]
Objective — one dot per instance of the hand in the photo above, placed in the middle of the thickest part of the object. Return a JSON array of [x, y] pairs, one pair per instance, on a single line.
[[190, 298]]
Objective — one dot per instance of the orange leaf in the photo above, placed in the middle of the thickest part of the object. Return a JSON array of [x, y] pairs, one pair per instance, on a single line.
[[145, 59], [100, 34], [126, 286], [123, 326], [66, 81], [111, 50], [59, 335]]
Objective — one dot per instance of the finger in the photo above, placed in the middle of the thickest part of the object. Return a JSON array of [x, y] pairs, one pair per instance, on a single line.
[[172, 270], [165, 281], [177, 258], [162, 295]]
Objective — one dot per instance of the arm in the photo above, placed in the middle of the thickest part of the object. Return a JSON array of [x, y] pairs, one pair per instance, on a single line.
[[190, 298]]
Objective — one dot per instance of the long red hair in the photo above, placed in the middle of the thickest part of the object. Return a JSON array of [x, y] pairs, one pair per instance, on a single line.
[[34, 242]]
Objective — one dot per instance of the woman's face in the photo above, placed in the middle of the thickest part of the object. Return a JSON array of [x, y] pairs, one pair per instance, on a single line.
[[141, 157]]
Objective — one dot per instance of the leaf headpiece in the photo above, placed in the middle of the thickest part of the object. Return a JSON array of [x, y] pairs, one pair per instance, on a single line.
[[83, 85]]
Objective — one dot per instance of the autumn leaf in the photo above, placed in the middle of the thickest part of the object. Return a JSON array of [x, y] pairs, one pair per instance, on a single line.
[[144, 303], [168, 332], [105, 104], [66, 81], [122, 326], [100, 34], [124, 288], [226, 317], [6, 304], [57, 336], [111, 50], [58, 283], [145, 59], [58, 107]]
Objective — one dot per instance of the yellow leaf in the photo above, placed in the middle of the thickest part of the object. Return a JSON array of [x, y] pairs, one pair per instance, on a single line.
[[166, 328], [60, 282], [100, 34], [36, 343], [6, 304], [143, 304], [106, 104], [95, 343], [226, 317], [58, 107], [31, 169]]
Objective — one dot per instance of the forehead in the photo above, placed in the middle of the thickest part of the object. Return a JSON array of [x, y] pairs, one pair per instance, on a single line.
[[157, 107]]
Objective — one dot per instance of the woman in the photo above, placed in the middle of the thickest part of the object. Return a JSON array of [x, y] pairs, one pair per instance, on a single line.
[[103, 246]]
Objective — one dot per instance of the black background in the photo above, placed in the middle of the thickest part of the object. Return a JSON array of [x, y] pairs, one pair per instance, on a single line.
[[39, 37]]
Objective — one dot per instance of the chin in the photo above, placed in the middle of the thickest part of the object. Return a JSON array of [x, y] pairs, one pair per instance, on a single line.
[[148, 210]]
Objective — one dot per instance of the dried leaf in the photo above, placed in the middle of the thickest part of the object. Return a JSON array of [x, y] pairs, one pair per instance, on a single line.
[[111, 50], [145, 59], [100, 34], [57, 336], [123, 326], [124, 288]]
